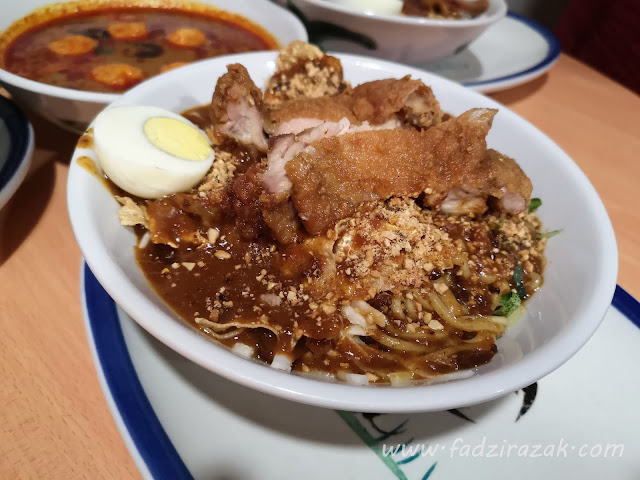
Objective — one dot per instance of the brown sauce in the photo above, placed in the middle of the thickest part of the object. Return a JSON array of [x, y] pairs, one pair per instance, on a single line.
[[196, 280], [90, 166], [191, 294]]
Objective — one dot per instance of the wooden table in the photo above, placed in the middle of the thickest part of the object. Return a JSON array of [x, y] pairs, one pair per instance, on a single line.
[[55, 422]]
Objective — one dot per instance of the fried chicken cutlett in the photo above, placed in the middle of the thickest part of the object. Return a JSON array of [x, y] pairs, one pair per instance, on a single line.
[[327, 155], [377, 102], [377, 105], [409, 100], [236, 109], [335, 175]]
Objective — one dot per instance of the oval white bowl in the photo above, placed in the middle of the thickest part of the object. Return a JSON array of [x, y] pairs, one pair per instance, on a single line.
[[400, 38], [579, 282], [74, 109]]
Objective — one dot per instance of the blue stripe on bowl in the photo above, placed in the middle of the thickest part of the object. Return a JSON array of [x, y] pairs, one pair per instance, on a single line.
[[146, 431], [18, 127], [627, 305], [552, 54]]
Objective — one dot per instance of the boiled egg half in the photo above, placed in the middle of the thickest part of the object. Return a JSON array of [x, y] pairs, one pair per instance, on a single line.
[[149, 151]]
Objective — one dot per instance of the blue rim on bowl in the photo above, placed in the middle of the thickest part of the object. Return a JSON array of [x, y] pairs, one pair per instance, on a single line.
[[547, 62], [13, 170]]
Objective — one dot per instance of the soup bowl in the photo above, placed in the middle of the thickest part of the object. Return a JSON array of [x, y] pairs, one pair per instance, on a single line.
[[579, 280], [400, 38], [73, 109]]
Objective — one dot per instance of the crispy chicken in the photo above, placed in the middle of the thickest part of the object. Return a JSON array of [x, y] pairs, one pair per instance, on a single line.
[[329, 151], [334, 175], [300, 114], [408, 100], [236, 109], [377, 105], [285, 147], [377, 102]]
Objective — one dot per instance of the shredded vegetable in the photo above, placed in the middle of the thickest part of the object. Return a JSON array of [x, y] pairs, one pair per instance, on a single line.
[[534, 204], [517, 277], [509, 303], [550, 234]]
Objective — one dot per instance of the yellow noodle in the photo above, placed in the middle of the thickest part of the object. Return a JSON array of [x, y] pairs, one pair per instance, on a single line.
[[476, 323], [448, 353], [219, 327], [383, 374], [366, 350], [534, 283], [487, 278], [421, 334], [461, 260], [450, 300], [504, 287], [447, 277], [481, 337], [440, 307], [398, 344], [396, 308], [226, 335], [424, 302], [400, 377], [515, 316], [439, 335], [495, 300], [410, 309], [466, 271]]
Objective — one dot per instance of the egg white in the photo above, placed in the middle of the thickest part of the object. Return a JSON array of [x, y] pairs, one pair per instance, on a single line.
[[134, 163]]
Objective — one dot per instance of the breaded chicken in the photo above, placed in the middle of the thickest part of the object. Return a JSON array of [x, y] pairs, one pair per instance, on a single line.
[[283, 148], [411, 100], [404, 100], [236, 108], [301, 114], [335, 175]]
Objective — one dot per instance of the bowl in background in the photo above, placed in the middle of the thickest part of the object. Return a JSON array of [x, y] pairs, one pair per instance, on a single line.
[[74, 109], [16, 147], [579, 280], [400, 38]]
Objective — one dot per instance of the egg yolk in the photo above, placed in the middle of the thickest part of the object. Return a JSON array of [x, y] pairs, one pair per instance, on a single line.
[[177, 138]]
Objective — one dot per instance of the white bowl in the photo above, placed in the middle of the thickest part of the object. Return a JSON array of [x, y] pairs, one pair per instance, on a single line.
[[400, 38], [74, 109], [16, 147], [579, 282]]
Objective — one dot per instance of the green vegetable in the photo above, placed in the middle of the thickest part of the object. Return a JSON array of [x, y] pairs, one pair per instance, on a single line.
[[534, 204], [517, 277], [550, 234], [496, 226], [509, 303]]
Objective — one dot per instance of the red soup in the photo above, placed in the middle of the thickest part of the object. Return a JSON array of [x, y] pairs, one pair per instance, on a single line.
[[110, 50]]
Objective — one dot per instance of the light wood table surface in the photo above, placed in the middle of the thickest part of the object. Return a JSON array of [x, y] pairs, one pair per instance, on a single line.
[[55, 422]]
